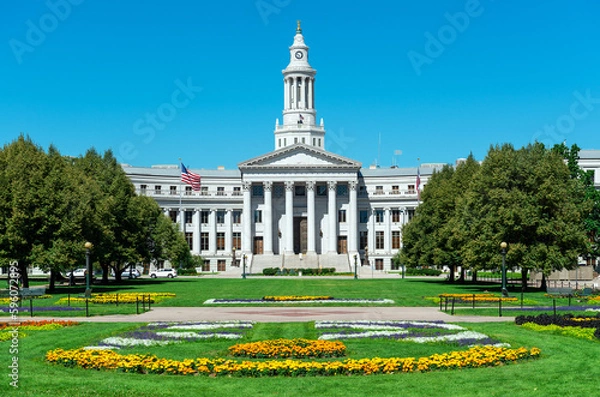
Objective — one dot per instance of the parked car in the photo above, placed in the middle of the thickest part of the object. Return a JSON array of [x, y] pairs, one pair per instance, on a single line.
[[169, 273], [131, 273], [78, 273]]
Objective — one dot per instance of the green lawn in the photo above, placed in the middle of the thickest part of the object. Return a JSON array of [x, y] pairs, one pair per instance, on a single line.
[[195, 290], [566, 368]]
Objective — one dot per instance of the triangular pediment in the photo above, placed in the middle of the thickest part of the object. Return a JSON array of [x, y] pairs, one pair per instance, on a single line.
[[300, 156]]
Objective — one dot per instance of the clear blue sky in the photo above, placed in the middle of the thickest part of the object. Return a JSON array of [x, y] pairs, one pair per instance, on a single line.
[[434, 79]]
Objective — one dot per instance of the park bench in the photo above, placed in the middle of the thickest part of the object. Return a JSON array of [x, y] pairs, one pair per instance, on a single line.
[[560, 291], [24, 293]]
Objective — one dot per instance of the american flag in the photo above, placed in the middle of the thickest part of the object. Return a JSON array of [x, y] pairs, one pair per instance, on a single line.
[[301, 117], [190, 178], [419, 183]]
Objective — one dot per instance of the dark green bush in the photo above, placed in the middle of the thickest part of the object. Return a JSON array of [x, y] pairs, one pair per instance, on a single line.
[[423, 272]]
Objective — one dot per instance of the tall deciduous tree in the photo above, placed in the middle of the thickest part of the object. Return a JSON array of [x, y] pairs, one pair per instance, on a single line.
[[526, 198]]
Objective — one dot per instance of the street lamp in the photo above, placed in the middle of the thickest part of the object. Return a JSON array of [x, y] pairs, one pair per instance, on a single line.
[[355, 266], [88, 267], [233, 260], [244, 268], [367, 254], [503, 246]]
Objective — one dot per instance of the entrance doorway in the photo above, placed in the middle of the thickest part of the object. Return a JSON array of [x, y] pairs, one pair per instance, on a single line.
[[300, 234], [342, 245], [258, 245]]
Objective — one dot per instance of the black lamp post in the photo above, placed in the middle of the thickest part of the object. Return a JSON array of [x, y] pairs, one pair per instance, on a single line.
[[244, 268], [233, 260], [367, 255], [355, 266], [88, 267], [503, 246]]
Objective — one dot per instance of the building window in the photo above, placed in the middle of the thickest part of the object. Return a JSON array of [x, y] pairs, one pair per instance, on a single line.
[[396, 216], [411, 189], [157, 189], [220, 217], [172, 190], [279, 142], [321, 190], [364, 235], [278, 191], [379, 216], [204, 241], [258, 191], [303, 140], [220, 191], [395, 189], [395, 239], [204, 191], [363, 216], [237, 191], [257, 216], [204, 216], [378, 189], [314, 141], [342, 216], [362, 191], [379, 244], [284, 141], [189, 237], [188, 216], [342, 190], [236, 217], [237, 240], [295, 140], [410, 214], [379, 264], [173, 215], [319, 142], [143, 189], [220, 241], [300, 190], [221, 265], [590, 262], [188, 190]]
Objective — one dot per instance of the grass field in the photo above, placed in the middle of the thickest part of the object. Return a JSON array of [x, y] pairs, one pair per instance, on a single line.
[[566, 368], [194, 291]]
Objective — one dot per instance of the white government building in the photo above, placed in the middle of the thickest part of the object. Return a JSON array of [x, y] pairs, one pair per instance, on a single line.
[[299, 206]]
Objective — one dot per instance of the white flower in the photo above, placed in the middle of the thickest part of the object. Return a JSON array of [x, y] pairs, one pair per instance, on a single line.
[[382, 324], [260, 301], [446, 338], [180, 335], [122, 342], [101, 348], [368, 334]]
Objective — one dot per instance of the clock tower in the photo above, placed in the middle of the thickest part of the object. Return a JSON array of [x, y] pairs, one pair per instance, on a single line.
[[299, 114]]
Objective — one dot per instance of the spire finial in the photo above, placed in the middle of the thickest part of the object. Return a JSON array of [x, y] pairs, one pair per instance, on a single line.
[[298, 28]]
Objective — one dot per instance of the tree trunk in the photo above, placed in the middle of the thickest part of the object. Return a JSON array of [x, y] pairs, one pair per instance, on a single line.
[[52, 281], [451, 276], [524, 273], [544, 284], [474, 280], [105, 270], [24, 275], [462, 275]]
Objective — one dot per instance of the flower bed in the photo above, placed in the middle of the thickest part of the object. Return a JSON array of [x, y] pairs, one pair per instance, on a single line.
[[477, 298], [127, 297], [482, 356], [409, 331], [39, 324], [567, 324], [284, 348], [163, 333], [285, 298], [6, 301], [291, 301]]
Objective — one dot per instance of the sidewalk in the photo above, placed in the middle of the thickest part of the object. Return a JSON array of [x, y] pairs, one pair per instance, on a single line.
[[279, 314]]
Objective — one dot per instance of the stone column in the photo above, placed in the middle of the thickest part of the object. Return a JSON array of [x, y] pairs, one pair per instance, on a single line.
[[310, 217], [387, 237], [268, 220], [352, 217], [197, 231], [286, 94], [371, 235], [302, 93], [228, 231], [247, 218], [332, 215], [310, 93], [212, 237], [289, 218]]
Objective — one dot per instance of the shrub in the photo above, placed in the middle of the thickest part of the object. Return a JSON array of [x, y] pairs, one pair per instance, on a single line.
[[423, 272]]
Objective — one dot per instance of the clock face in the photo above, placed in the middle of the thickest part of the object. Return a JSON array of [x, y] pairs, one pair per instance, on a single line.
[[298, 54]]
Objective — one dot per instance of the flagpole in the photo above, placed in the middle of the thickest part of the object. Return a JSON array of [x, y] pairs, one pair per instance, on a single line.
[[182, 216]]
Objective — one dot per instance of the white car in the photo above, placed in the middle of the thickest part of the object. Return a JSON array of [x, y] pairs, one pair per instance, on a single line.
[[78, 273], [131, 273], [169, 273]]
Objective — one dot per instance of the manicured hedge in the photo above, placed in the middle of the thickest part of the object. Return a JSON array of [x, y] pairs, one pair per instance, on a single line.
[[566, 320], [276, 271], [422, 272]]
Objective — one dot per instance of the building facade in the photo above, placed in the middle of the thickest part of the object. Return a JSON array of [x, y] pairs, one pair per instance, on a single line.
[[298, 206]]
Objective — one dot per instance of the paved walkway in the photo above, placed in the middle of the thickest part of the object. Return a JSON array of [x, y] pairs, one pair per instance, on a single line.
[[279, 314]]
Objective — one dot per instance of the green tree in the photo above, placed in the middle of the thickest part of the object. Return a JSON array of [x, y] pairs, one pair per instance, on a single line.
[[526, 198]]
